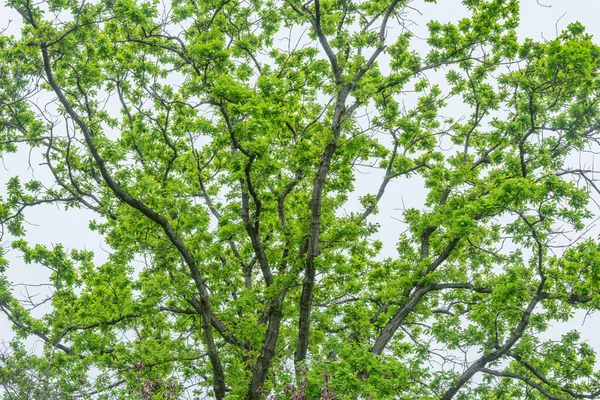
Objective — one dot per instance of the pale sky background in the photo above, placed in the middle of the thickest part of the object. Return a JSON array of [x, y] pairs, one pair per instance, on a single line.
[[50, 225]]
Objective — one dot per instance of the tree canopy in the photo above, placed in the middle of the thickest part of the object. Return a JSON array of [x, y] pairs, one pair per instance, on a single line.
[[221, 141]]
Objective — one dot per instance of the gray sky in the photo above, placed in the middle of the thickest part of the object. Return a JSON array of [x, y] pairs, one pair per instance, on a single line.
[[50, 225]]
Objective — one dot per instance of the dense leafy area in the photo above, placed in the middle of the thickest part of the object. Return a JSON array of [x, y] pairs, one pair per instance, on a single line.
[[219, 142]]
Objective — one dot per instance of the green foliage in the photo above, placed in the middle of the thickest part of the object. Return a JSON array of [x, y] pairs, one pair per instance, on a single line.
[[219, 143]]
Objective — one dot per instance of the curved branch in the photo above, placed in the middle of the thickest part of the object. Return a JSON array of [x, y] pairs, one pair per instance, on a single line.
[[497, 351], [125, 197]]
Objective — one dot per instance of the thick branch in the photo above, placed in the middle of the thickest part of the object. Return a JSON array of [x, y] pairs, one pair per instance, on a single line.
[[121, 194], [497, 351], [395, 322]]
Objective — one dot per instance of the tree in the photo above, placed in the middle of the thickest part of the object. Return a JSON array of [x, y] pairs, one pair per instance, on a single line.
[[219, 142]]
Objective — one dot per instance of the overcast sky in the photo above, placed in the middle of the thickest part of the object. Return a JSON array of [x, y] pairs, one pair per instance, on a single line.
[[49, 225]]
